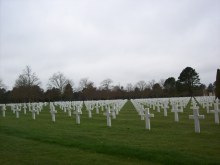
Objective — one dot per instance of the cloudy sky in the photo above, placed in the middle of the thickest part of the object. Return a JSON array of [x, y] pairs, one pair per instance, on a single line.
[[125, 40]]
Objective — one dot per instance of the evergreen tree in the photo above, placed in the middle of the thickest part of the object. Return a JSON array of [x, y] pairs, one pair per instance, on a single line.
[[217, 89], [68, 92], [170, 86], [190, 79]]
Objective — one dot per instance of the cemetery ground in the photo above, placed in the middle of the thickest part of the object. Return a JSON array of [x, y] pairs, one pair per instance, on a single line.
[[41, 141]]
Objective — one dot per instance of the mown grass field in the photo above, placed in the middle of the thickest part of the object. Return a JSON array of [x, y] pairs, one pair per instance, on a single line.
[[40, 141]]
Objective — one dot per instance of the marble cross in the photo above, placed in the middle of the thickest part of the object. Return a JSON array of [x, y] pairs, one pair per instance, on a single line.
[[97, 107], [69, 109], [158, 106], [165, 106], [33, 111], [108, 116], [216, 112], [53, 112], [207, 104], [17, 110], [3, 110], [25, 107], [176, 111], [78, 112], [147, 118], [196, 118]]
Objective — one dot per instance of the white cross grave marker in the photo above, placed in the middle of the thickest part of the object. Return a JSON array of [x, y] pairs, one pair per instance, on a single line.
[[53, 112], [29, 106], [207, 107], [3, 110], [147, 118], [33, 111], [69, 109], [78, 112], [158, 106], [141, 112], [90, 113], [17, 110], [176, 111], [117, 110], [108, 116], [216, 111], [113, 110], [89, 108], [165, 106], [196, 118], [25, 107], [13, 108], [97, 107]]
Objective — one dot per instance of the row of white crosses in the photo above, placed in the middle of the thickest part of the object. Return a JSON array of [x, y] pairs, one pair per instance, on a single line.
[[108, 114], [67, 107], [17, 108], [36, 108], [177, 106], [112, 108], [144, 113], [176, 109], [3, 109], [90, 105], [208, 102], [216, 111], [108, 106], [72, 107], [77, 110], [53, 111], [196, 116]]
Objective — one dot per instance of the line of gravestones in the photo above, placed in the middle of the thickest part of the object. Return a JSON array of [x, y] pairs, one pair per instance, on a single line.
[[158, 104], [207, 103], [109, 108], [34, 108], [142, 106]]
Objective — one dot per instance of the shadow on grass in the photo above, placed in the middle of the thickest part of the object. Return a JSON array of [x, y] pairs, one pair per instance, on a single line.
[[120, 150]]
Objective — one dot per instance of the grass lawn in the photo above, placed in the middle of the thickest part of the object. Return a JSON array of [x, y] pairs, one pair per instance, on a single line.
[[40, 141]]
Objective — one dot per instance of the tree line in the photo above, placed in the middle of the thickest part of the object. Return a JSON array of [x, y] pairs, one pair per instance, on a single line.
[[27, 88]]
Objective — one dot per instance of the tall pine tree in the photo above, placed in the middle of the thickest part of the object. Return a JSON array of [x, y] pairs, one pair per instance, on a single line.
[[217, 89], [190, 79], [68, 92]]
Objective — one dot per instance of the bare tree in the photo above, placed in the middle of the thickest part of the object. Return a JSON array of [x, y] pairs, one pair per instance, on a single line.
[[1, 84], [68, 92], [27, 87], [151, 84], [58, 80], [83, 83], [141, 85], [27, 78], [161, 82], [90, 91], [129, 87], [105, 84]]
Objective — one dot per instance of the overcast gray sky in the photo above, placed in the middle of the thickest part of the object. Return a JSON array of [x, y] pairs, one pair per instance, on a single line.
[[125, 40]]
